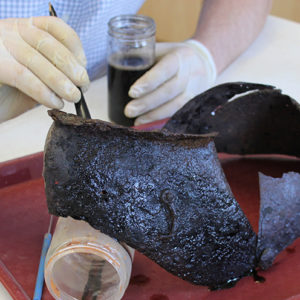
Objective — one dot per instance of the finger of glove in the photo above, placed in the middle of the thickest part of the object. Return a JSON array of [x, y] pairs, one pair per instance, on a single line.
[[55, 52], [63, 33], [164, 111], [161, 95], [41, 67], [16, 75], [13, 102], [166, 68]]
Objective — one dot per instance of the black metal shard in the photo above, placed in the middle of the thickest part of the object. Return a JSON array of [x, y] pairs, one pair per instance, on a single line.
[[279, 222], [163, 194], [262, 121]]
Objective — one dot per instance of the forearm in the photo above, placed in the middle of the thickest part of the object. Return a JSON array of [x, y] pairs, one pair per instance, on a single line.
[[228, 27]]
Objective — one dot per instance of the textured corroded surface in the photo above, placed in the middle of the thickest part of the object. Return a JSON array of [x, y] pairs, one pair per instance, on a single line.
[[163, 194], [263, 121], [279, 221]]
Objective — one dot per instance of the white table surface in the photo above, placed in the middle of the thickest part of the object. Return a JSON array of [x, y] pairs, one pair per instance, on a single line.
[[273, 58]]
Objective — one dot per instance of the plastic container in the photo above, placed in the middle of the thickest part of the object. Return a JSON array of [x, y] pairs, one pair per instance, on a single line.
[[131, 53], [83, 263]]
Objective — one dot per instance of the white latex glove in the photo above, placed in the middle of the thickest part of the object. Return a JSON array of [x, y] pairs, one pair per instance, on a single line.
[[42, 61], [183, 71]]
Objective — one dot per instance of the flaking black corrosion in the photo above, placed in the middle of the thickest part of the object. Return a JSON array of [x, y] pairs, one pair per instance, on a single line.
[[165, 195]]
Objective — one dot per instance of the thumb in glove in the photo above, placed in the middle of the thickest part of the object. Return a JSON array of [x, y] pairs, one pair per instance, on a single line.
[[13, 102]]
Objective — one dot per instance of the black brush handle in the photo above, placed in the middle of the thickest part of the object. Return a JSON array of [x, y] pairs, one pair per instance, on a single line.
[[81, 106]]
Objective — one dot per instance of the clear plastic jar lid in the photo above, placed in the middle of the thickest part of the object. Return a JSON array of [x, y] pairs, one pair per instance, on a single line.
[[83, 269]]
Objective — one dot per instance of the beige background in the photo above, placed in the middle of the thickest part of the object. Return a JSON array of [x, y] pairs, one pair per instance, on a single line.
[[176, 19]]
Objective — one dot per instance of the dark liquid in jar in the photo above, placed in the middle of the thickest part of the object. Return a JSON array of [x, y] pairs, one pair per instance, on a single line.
[[122, 73]]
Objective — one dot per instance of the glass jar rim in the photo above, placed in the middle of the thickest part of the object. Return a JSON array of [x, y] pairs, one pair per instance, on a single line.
[[91, 248], [131, 27]]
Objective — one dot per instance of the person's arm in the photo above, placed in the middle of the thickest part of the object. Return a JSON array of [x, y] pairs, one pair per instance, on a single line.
[[225, 29], [228, 27]]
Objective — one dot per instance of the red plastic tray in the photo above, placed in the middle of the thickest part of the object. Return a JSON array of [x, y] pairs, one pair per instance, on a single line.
[[24, 220]]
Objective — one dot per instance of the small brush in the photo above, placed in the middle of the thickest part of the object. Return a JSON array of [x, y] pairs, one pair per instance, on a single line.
[[81, 107]]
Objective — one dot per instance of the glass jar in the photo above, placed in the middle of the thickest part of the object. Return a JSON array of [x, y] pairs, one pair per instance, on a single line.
[[83, 263], [131, 52]]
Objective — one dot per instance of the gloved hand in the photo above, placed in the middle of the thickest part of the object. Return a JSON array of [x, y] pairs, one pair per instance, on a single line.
[[42, 61], [183, 71]]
